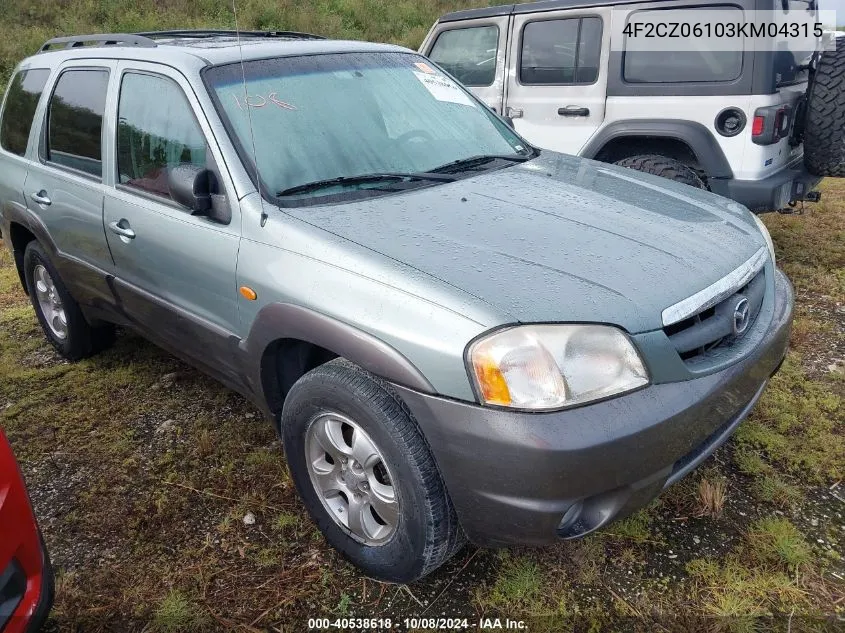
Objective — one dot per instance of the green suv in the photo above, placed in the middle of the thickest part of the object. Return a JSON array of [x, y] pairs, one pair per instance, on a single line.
[[458, 335]]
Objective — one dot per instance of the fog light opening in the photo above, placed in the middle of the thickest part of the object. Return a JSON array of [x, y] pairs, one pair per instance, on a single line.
[[571, 515]]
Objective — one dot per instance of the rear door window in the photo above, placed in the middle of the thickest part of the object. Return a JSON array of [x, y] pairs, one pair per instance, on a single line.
[[75, 120], [22, 99], [468, 54], [154, 135], [559, 52]]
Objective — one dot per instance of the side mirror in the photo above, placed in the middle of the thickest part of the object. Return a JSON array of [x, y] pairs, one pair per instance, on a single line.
[[192, 186]]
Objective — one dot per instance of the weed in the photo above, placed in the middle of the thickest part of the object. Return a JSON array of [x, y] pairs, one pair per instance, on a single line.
[[776, 540], [285, 521], [750, 461], [204, 445], [588, 557], [734, 589], [711, 496], [517, 587], [177, 613], [342, 608], [777, 490]]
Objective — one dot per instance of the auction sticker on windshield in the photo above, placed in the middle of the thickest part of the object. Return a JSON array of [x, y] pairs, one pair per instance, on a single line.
[[443, 89]]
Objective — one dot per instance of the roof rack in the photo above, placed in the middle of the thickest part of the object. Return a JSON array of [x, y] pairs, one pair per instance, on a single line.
[[99, 39], [202, 33], [148, 39]]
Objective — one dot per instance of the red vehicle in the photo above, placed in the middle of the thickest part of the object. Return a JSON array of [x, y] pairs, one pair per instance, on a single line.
[[26, 579]]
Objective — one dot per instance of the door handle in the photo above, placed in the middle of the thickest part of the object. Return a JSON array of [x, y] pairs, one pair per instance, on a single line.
[[124, 232], [41, 198], [514, 113], [573, 110]]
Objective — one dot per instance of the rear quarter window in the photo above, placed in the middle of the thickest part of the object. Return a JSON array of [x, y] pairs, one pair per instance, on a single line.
[[22, 98], [682, 66]]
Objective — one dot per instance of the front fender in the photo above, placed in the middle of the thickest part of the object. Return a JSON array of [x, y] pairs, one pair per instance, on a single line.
[[278, 321]]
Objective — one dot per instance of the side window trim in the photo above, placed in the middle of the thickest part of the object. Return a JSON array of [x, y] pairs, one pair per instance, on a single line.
[[136, 191], [580, 17], [478, 25], [43, 138]]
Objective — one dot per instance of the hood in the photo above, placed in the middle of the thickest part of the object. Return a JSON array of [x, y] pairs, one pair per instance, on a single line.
[[557, 239]]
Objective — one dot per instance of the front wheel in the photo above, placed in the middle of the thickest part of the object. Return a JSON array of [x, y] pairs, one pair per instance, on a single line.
[[366, 475], [664, 167]]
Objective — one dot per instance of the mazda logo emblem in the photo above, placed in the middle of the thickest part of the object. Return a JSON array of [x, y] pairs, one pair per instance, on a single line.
[[741, 310]]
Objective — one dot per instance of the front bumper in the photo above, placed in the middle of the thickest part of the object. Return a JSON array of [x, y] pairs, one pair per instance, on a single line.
[[532, 478], [772, 193]]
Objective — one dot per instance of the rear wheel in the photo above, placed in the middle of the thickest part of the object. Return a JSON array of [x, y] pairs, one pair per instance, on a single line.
[[824, 122], [663, 167], [59, 314], [366, 474]]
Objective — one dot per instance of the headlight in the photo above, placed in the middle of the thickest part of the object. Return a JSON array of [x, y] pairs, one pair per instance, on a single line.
[[554, 366], [766, 236]]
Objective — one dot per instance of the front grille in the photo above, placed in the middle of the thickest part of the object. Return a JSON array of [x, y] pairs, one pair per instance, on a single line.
[[719, 326]]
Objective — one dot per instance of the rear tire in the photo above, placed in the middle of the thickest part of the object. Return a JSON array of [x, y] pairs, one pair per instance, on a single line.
[[415, 535], [58, 312], [824, 123], [663, 167]]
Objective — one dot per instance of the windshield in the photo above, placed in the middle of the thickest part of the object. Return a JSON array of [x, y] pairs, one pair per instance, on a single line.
[[339, 116]]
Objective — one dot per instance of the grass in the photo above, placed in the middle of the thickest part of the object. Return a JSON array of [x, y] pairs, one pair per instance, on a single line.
[[177, 613], [779, 541], [517, 587], [634, 528], [142, 470]]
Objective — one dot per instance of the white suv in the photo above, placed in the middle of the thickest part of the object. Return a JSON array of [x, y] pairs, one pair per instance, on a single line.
[[761, 127]]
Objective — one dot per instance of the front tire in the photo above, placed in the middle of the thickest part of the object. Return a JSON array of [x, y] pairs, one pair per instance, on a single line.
[[663, 167], [58, 313], [366, 474]]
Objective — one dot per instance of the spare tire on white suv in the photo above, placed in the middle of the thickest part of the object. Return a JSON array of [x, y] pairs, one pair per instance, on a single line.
[[824, 125]]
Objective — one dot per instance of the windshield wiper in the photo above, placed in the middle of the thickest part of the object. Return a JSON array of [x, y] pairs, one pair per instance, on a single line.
[[477, 161], [361, 179]]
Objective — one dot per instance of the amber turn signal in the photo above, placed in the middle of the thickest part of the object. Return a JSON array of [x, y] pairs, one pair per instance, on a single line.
[[248, 293]]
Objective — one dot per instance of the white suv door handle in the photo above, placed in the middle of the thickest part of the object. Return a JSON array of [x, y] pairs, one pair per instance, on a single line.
[[41, 198], [122, 231], [514, 113], [574, 110]]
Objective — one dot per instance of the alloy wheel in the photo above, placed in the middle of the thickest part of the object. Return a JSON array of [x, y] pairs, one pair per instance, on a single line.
[[50, 302], [351, 478]]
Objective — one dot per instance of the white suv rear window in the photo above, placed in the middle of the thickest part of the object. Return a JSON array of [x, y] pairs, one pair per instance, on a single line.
[[682, 66]]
